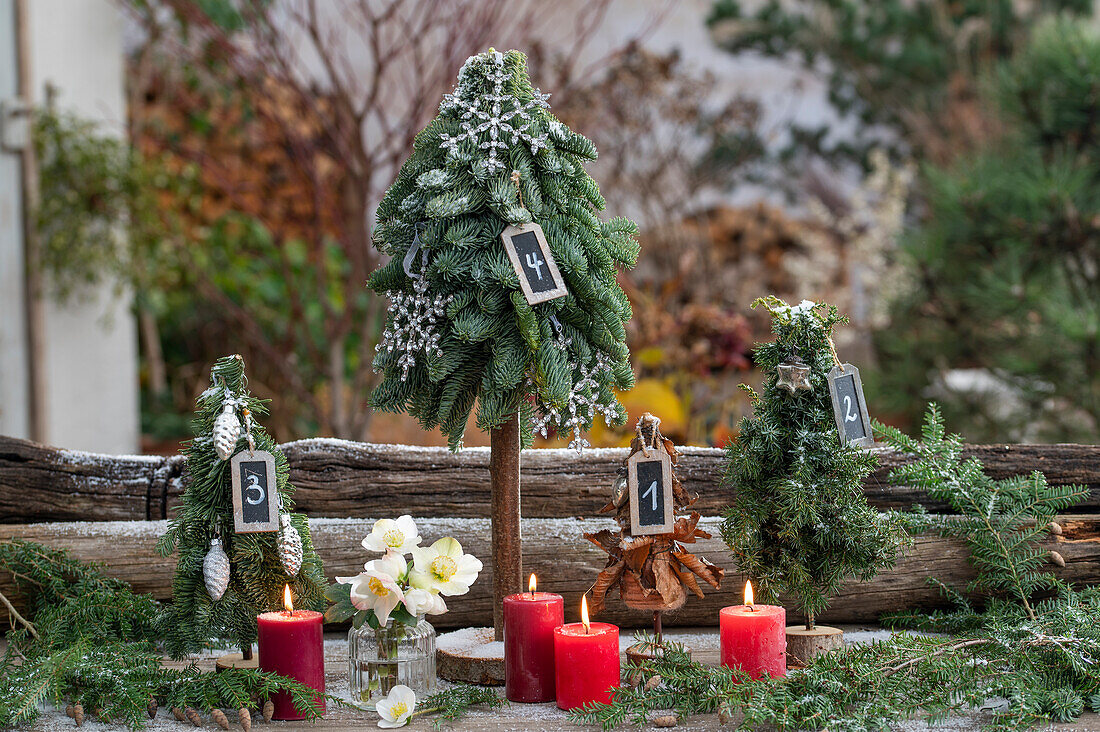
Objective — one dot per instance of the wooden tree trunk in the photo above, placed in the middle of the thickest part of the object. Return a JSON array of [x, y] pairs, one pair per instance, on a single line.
[[504, 486]]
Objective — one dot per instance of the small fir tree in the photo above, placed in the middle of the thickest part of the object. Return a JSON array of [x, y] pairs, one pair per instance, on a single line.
[[799, 522], [459, 329], [256, 574]]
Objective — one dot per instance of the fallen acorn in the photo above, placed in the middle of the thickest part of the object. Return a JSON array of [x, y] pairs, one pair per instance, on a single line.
[[219, 718], [245, 718], [1057, 558], [666, 720], [269, 710]]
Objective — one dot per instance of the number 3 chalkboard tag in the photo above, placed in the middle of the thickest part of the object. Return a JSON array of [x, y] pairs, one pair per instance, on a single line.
[[849, 406], [255, 506], [534, 264], [649, 480]]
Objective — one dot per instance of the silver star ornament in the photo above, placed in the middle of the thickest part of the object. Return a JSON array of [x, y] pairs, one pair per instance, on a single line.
[[794, 376]]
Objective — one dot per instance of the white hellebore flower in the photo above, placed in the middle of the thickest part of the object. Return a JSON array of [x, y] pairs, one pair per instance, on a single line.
[[400, 536], [423, 602], [376, 588], [396, 709], [443, 568]]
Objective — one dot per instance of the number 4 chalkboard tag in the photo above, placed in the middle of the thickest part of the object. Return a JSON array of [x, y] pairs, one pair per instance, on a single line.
[[649, 482], [255, 506], [534, 263], [849, 406]]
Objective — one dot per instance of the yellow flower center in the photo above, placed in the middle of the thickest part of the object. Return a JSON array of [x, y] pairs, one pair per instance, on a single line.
[[394, 538], [375, 585], [398, 709], [444, 567]]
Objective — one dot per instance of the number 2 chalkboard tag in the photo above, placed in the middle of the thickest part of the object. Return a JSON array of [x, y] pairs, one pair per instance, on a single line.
[[649, 481], [255, 505], [849, 406], [534, 264]]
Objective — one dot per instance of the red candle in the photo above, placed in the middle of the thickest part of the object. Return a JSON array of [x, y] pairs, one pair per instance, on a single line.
[[754, 637], [586, 661], [529, 622], [292, 643]]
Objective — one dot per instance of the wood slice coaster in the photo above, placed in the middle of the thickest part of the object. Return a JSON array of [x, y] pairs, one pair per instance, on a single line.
[[803, 645], [471, 655], [236, 660]]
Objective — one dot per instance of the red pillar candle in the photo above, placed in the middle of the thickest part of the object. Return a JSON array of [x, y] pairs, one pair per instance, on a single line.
[[586, 661], [754, 637], [529, 622], [292, 643]]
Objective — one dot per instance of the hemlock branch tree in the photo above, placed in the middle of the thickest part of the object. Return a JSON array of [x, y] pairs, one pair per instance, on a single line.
[[256, 572], [460, 330], [799, 522]]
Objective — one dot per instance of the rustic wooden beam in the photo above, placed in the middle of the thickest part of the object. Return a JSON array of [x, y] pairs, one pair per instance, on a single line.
[[351, 479], [555, 550]]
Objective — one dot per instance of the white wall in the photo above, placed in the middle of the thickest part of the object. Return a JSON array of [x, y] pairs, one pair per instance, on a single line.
[[13, 336], [91, 344]]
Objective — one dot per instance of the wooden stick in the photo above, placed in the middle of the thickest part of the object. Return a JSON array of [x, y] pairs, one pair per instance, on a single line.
[[504, 485], [15, 614], [946, 649]]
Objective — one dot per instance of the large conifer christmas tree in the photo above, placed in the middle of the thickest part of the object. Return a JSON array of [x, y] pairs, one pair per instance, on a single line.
[[204, 527], [460, 330], [799, 522]]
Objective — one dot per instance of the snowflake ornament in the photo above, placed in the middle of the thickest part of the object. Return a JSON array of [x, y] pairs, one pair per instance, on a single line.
[[504, 117], [412, 331], [583, 404]]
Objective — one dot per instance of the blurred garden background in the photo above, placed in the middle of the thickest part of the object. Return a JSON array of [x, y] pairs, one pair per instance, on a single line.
[[199, 178]]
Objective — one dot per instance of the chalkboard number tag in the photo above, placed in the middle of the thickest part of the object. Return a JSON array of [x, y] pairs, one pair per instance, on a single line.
[[534, 263], [649, 480], [849, 406], [255, 500]]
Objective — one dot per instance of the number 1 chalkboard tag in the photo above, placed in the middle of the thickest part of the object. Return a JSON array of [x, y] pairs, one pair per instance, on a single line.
[[534, 263], [849, 406], [255, 506], [649, 482]]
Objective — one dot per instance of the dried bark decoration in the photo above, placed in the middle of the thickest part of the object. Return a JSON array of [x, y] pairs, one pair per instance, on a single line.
[[656, 571]]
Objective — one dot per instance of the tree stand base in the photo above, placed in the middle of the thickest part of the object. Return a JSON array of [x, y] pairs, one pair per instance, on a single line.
[[470, 655], [236, 660], [803, 645]]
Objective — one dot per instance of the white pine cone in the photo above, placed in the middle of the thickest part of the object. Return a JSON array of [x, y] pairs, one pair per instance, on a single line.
[[215, 570], [227, 430], [290, 546]]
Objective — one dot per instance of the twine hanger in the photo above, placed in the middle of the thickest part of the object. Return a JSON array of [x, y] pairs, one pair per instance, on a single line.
[[832, 351], [515, 179]]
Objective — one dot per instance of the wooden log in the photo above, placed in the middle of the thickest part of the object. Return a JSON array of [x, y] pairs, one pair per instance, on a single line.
[[566, 564], [338, 478]]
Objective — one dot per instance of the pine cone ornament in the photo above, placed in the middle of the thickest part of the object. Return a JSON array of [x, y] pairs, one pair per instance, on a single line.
[[193, 717], [219, 718], [290, 546], [227, 430], [215, 569], [245, 718]]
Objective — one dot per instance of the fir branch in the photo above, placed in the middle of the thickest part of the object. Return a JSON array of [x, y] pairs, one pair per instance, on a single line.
[[453, 703]]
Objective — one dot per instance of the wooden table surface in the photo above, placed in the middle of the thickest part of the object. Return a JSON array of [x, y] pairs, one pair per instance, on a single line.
[[514, 717]]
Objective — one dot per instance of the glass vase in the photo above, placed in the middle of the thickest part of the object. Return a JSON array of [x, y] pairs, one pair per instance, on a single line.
[[380, 659]]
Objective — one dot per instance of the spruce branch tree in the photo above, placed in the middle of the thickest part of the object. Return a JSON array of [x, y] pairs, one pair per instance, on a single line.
[[459, 330], [799, 523], [256, 576]]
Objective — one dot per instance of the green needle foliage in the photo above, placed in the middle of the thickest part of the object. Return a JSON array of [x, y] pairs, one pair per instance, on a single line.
[[1001, 520], [1024, 662], [799, 523], [494, 348], [94, 642], [257, 577], [453, 703]]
